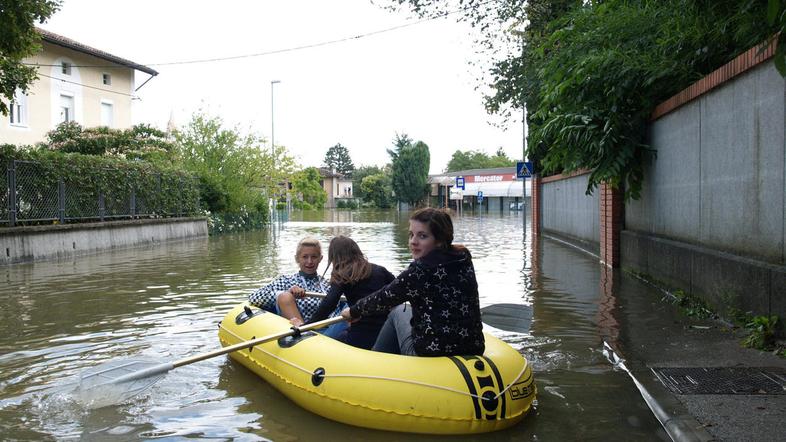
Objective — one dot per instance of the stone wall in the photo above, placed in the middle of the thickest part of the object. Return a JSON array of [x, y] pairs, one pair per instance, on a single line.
[[35, 243]]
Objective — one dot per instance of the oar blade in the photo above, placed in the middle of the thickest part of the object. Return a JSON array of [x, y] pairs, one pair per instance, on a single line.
[[508, 317], [116, 381]]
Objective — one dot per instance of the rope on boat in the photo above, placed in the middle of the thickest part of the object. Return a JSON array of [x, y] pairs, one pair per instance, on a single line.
[[384, 378]]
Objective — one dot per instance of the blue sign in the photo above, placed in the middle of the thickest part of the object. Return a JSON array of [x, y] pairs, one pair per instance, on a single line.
[[480, 195], [460, 182], [523, 169]]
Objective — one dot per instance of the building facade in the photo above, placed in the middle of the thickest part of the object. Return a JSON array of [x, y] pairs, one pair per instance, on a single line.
[[337, 186], [75, 83], [495, 189]]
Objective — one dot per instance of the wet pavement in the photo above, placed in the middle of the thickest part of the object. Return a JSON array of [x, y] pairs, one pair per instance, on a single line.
[[654, 334]]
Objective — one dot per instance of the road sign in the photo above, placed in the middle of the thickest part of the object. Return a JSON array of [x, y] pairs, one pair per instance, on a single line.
[[460, 182], [523, 169], [480, 194], [456, 194]]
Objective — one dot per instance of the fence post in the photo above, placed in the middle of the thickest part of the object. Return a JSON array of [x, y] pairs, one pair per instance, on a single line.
[[133, 203], [12, 193], [101, 208], [61, 199], [180, 196]]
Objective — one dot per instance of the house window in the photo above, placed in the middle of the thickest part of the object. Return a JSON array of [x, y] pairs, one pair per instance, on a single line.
[[107, 114], [65, 68], [18, 109], [66, 108], [107, 78]]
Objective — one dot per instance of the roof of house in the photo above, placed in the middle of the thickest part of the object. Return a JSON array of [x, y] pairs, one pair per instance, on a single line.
[[324, 172], [51, 37]]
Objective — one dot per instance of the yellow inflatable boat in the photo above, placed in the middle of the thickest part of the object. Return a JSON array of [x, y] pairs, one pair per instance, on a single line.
[[437, 395]]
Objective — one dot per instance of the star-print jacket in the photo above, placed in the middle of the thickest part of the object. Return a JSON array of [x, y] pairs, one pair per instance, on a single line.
[[443, 292], [265, 297]]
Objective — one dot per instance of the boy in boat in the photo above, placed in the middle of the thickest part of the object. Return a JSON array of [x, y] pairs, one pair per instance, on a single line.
[[308, 255]]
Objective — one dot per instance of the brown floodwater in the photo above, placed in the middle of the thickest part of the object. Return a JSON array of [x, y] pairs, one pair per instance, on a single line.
[[162, 303]]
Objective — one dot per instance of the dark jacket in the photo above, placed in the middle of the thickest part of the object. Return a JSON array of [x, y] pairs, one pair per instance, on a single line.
[[443, 292], [364, 332]]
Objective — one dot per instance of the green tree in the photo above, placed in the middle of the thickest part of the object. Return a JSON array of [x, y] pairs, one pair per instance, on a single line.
[[357, 178], [306, 185], [337, 157], [409, 169], [18, 40], [591, 72], [473, 159], [237, 172], [378, 190]]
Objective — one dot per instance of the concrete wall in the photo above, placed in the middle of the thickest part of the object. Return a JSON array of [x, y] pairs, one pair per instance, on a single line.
[[26, 244], [568, 212], [712, 219], [718, 180]]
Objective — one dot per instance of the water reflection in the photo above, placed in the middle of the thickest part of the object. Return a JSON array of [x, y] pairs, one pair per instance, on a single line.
[[163, 303]]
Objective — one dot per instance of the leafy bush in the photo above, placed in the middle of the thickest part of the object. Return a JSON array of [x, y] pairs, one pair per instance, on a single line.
[[139, 142], [346, 204], [220, 223], [159, 191]]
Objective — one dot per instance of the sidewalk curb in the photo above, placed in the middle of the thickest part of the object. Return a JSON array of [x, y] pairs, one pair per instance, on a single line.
[[670, 412]]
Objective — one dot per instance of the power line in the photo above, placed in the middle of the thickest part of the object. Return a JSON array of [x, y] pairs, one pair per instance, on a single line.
[[292, 49], [88, 86]]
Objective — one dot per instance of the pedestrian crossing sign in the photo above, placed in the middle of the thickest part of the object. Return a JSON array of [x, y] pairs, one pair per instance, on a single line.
[[523, 169]]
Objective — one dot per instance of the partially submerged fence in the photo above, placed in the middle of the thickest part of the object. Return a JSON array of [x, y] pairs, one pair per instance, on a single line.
[[33, 193]]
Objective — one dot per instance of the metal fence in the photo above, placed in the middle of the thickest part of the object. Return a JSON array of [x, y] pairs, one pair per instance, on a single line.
[[30, 194]]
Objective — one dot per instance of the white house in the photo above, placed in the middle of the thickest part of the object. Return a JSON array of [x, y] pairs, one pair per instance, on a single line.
[[75, 83]]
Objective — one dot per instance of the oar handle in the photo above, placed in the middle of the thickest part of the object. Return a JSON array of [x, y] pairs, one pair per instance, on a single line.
[[253, 342], [321, 295]]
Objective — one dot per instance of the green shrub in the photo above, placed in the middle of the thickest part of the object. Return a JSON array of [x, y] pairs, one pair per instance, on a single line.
[[159, 191]]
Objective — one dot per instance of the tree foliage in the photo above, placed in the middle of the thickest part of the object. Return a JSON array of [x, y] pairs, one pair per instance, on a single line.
[[475, 159], [237, 173], [591, 72], [357, 179], [337, 157], [18, 40], [311, 194], [378, 190], [409, 169]]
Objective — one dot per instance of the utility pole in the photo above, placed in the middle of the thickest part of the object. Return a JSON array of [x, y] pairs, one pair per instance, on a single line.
[[272, 123]]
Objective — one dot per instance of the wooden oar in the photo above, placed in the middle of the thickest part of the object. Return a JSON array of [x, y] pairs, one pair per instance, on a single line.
[[119, 380], [322, 295]]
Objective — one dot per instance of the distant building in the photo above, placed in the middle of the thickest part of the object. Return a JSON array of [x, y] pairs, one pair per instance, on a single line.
[[337, 186], [495, 189], [76, 83]]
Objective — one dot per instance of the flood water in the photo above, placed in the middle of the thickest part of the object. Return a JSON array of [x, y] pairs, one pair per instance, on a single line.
[[163, 303]]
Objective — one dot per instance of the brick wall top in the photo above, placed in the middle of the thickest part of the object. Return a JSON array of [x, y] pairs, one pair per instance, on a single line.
[[564, 176], [745, 61]]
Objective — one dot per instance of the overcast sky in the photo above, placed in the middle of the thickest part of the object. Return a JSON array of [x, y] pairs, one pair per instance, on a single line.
[[360, 93]]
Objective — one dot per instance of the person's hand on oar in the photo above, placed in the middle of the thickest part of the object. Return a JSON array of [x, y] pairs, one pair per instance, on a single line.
[[298, 292]]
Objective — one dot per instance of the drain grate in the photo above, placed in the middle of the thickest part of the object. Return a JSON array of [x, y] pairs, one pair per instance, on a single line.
[[723, 380]]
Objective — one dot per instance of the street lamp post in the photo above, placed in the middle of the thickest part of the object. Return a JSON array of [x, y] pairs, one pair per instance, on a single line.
[[272, 125]]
